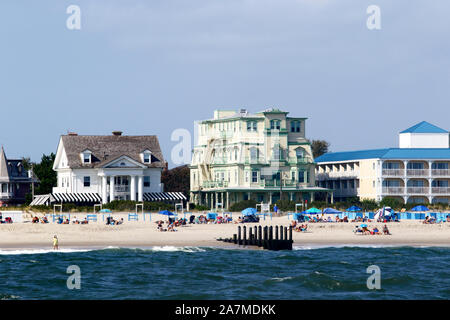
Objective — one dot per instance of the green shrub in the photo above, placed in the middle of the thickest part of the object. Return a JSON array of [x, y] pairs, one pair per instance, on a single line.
[[239, 206]]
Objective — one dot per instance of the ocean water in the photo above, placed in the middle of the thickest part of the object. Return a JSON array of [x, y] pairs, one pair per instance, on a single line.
[[214, 273]]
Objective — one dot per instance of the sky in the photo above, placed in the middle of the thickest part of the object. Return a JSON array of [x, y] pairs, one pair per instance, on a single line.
[[153, 66]]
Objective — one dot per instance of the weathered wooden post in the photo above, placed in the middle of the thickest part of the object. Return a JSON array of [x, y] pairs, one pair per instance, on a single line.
[[260, 236], [239, 235], [285, 234], [276, 233], [250, 236], [245, 235], [281, 233], [290, 233], [255, 239], [235, 238]]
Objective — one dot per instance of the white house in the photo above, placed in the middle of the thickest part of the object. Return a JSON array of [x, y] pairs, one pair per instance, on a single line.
[[106, 168]]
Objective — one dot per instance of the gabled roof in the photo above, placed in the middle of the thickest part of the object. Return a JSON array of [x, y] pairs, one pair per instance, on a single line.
[[4, 174], [390, 153], [424, 127], [107, 148]]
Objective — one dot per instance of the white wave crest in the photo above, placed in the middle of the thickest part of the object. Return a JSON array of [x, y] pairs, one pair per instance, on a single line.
[[175, 249]]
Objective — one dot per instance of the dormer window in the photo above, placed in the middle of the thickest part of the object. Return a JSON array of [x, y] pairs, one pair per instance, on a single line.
[[275, 124], [86, 157], [146, 156]]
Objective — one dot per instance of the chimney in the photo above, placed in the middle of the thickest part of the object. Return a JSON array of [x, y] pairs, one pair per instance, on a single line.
[[117, 133], [72, 133]]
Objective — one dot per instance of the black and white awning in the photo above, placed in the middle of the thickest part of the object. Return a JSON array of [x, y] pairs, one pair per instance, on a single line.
[[47, 199], [164, 196], [41, 200], [76, 197]]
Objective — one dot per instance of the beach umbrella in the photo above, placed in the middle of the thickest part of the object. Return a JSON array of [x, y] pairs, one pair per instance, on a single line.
[[249, 211], [420, 208], [313, 211], [105, 211], [363, 225], [354, 209], [331, 211]]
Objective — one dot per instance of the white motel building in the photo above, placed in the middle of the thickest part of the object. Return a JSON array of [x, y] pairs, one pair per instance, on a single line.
[[93, 169], [416, 172], [241, 156]]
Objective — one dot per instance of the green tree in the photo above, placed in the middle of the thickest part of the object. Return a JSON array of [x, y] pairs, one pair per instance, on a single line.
[[45, 173], [391, 202], [319, 147]]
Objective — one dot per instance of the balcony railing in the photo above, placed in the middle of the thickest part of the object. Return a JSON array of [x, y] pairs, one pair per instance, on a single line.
[[417, 172], [6, 195], [215, 184], [393, 172], [121, 188], [440, 172], [440, 190], [295, 160], [393, 190], [249, 160]]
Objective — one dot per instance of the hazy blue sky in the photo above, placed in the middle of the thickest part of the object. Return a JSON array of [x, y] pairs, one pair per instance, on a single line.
[[151, 66]]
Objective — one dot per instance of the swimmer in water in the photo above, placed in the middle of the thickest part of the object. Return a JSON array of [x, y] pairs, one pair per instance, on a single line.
[[55, 243]]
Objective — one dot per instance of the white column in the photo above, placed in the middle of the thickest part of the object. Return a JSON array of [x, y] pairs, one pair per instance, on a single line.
[[111, 188], [104, 191], [140, 188], [133, 188]]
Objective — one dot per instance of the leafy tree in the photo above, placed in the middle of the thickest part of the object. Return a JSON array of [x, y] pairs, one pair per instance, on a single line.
[[391, 202], [45, 173], [319, 147], [177, 180]]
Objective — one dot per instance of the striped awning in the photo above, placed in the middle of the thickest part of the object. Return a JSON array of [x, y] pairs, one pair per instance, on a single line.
[[76, 197], [164, 196], [41, 200]]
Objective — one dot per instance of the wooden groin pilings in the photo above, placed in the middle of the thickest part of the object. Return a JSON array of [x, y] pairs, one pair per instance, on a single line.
[[263, 237]]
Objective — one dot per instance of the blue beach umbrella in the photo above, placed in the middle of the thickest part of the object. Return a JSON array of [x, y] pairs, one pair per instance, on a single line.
[[420, 208], [249, 211], [105, 211], [331, 211], [354, 209], [363, 225]]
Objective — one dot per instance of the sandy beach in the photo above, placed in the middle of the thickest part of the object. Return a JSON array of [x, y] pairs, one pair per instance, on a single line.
[[141, 233]]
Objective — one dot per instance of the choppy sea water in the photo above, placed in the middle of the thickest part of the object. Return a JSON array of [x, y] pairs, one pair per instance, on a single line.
[[215, 273]]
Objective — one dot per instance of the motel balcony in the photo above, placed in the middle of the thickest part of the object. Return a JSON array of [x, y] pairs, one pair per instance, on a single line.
[[6, 195], [418, 190], [440, 172]]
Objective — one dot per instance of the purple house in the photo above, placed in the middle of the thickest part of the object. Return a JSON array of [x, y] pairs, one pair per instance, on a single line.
[[15, 181]]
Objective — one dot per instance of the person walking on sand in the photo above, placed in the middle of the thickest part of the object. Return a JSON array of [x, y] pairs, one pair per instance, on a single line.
[[55, 243]]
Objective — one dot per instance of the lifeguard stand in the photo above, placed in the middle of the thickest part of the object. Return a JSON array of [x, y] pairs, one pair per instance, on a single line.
[[264, 210]]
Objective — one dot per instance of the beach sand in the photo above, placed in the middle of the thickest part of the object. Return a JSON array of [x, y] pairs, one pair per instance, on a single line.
[[141, 233]]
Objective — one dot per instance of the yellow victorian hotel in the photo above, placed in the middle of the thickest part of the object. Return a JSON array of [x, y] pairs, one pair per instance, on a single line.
[[262, 156]]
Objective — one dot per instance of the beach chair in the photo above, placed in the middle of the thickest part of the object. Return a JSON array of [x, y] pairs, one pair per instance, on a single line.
[[149, 214], [91, 217], [408, 215], [133, 217], [371, 215]]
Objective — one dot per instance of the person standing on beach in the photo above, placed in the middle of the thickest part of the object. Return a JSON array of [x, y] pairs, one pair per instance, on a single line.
[[55, 243]]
